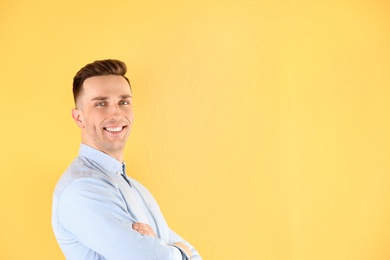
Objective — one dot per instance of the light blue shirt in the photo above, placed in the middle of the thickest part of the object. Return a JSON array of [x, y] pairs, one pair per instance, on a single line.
[[94, 209]]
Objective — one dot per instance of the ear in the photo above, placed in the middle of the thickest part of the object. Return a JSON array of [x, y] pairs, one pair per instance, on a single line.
[[78, 117]]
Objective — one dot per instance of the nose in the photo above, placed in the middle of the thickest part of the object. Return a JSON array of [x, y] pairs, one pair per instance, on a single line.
[[114, 111]]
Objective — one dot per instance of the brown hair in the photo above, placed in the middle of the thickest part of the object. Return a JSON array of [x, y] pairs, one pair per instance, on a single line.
[[98, 68]]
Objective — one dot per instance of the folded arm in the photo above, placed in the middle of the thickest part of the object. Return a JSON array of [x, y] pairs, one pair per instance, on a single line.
[[95, 216]]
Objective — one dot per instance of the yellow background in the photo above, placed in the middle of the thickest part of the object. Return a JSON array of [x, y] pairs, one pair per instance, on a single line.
[[262, 127]]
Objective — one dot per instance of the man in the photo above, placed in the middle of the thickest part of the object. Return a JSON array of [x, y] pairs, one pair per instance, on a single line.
[[99, 212]]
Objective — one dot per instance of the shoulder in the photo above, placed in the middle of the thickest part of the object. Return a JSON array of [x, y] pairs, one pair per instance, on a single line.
[[80, 178], [82, 192], [75, 171]]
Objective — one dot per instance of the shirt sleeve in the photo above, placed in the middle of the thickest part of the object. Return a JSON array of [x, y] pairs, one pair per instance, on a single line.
[[88, 210], [173, 238]]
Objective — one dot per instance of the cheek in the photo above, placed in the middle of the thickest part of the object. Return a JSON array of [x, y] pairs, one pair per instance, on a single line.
[[94, 119], [131, 118], [130, 115]]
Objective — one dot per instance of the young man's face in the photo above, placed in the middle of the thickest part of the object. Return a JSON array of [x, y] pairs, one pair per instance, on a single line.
[[105, 113]]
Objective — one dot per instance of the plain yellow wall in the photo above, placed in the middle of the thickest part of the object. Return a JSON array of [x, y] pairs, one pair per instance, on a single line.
[[262, 127]]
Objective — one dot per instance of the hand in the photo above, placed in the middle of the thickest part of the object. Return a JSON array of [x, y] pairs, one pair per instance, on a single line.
[[185, 248], [144, 229]]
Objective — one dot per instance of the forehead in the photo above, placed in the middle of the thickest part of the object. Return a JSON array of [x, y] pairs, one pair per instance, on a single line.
[[106, 85]]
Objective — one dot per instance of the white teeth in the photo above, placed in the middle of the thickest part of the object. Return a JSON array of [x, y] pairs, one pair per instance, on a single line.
[[114, 129]]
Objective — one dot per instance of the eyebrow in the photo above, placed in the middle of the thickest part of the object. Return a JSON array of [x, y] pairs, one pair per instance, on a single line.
[[101, 98], [125, 96]]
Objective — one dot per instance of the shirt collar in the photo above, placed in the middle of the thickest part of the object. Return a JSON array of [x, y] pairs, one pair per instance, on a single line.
[[107, 162]]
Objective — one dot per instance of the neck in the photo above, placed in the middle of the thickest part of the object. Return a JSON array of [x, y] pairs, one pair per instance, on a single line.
[[118, 155]]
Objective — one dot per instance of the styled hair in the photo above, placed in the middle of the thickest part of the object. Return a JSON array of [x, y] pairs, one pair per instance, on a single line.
[[98, 68]]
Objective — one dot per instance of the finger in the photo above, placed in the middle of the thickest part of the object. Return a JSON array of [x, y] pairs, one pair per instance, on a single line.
[[138, 224], [143, 229]]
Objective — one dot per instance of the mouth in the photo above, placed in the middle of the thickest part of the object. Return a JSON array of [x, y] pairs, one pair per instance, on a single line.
[[114, 130]]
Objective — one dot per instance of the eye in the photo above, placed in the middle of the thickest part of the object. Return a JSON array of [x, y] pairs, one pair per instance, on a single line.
[[100, 104], [124, 102]]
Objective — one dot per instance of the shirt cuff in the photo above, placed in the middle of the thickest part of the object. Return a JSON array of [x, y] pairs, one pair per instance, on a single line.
[[180, 252]]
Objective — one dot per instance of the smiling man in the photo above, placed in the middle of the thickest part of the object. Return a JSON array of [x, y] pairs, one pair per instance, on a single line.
[[104, 113], [99, 212]]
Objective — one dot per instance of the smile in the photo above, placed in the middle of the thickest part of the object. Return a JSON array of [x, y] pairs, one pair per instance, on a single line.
[[114, 129]]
